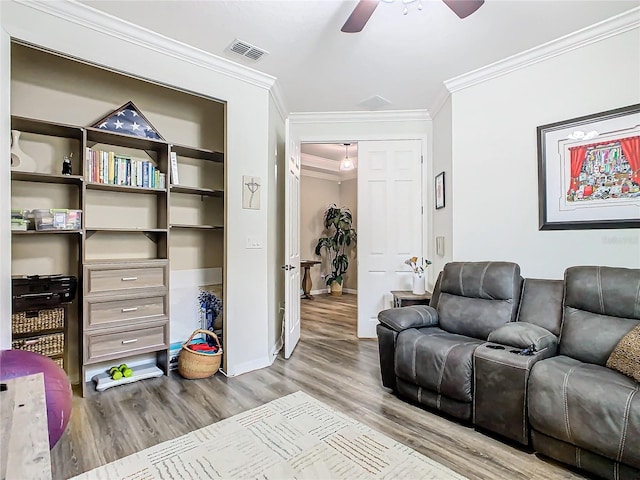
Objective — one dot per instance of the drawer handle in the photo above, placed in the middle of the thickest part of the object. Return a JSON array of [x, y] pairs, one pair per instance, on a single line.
[[30, 342], [130, 309], [124, 342], [129, 279]]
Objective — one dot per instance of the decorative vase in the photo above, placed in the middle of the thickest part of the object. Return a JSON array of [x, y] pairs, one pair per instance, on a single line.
[[20, 161], [336, 289], [418, 284]]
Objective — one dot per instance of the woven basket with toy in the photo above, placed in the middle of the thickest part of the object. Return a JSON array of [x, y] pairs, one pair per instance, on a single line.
[[197, 358]]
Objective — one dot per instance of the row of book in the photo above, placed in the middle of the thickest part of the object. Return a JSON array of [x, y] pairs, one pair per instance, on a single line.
[[114, 169]]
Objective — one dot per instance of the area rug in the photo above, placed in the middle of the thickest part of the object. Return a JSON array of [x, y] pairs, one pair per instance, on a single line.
[[293, 437]]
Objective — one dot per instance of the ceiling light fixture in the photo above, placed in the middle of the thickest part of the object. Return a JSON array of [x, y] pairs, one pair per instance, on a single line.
[[346, 164], [405, 10]]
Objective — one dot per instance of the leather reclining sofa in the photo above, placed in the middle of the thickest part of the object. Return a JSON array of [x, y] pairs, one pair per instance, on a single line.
[[526, 359]]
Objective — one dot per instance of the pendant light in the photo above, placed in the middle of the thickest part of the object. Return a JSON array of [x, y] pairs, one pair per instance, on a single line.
[[346, 164]]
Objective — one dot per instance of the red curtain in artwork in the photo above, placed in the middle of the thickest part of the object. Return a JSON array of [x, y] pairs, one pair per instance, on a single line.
[[577, 159], [631, 150]]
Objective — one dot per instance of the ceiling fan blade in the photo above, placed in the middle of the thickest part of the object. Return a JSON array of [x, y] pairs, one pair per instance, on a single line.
[[463, 8], [360, 16]]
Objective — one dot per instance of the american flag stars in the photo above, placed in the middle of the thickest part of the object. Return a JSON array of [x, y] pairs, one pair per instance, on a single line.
[[128, 120]]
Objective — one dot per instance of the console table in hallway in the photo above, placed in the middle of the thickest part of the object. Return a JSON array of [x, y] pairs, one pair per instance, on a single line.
[[306, 278]]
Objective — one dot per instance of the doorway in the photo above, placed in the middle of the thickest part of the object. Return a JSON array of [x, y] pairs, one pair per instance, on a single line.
[[328, 176]]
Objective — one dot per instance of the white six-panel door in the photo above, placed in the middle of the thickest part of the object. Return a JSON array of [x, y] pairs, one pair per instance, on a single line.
[[292, 245], [389, 224]]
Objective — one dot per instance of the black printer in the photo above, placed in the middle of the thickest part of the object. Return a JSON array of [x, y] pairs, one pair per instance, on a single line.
[[31, 292]]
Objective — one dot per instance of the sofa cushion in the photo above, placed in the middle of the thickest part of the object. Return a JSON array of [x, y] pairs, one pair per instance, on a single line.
[[601, 305], [591, 337], [436, 360], [541, 303], [609, 291], [625, 357], [589, 406]]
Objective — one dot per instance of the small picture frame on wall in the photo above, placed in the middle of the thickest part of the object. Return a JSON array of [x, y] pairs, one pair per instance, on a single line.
[[439, 189], [251, 192]]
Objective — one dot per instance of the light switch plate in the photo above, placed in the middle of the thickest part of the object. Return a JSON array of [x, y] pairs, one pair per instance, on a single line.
[[253, 242], [440, 246]]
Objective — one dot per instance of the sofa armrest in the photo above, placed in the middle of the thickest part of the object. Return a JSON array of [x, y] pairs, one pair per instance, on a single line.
[[523, 335], [414, 316]]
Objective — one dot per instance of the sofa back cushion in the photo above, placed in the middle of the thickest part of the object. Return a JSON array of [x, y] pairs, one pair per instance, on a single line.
[[601, 305], [475, 298], [541, 303]]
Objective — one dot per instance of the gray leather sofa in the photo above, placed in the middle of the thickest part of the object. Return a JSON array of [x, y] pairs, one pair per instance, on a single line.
[[581, 412], [426, 352], [468, 354]]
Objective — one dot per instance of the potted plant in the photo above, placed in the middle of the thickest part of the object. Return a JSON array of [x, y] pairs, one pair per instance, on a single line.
[[340, 236]]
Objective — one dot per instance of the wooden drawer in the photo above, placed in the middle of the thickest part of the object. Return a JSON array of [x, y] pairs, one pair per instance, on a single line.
[[129, 310], [114, 279], [102, 346]]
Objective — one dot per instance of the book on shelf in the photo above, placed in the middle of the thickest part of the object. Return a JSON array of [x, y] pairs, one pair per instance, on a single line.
[[174, 168], [114, 169]]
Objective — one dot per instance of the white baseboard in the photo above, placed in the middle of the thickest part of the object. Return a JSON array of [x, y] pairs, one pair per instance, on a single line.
[[246, 367], [276, 349], [322, 291]]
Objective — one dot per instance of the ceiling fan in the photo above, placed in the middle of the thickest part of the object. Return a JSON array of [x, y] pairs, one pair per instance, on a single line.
[[365, 8]]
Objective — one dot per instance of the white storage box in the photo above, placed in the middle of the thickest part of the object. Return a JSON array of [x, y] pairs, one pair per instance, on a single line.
[[58, 219]]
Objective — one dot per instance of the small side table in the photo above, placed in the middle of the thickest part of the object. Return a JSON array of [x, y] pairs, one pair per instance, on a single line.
[[404, 298], [306, 278]]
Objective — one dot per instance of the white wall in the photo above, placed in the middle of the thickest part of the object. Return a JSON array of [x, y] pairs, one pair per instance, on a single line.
[[77, 31], [495, 185], [275, 238], [442, 219], [349, 199], [315, 195], [5, 193]]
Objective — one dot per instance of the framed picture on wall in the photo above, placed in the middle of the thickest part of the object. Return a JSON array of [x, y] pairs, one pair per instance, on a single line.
[[589, 171], [439, 189]]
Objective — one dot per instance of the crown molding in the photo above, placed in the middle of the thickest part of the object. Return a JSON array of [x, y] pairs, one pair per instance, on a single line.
[[278, 99], [608, 28], [441, 98], [313, 161], [106, 24], [359, 117], [321, 175]]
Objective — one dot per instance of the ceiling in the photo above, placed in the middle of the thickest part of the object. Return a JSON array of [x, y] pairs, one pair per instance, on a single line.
[[402, 58]]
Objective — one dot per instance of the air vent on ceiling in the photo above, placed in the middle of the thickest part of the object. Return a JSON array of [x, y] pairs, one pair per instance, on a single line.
[[246, 50], [374, 103]]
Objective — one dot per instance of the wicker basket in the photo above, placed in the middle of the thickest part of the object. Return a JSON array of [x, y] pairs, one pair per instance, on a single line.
[[37, 320], [193, 365], [48, 345]]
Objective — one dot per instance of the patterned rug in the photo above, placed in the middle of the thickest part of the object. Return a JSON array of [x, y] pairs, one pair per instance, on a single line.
[[295, 436]]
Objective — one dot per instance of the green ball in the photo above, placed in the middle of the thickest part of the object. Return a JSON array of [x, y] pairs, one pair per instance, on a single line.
[[117, 375], [128, 372], [112, 370], [122, 367]]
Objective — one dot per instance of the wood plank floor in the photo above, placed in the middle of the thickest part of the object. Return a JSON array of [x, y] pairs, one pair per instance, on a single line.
[[329, 363]]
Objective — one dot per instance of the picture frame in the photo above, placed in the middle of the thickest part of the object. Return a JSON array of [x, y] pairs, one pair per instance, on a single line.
[[439, 191], [251, 192], [589, 171]]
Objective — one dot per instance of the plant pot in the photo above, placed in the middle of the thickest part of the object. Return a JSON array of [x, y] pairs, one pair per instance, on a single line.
[[336, 289]]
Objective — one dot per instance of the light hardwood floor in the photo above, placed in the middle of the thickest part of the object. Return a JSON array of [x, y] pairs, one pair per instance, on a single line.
[[329, 363]]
